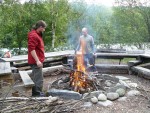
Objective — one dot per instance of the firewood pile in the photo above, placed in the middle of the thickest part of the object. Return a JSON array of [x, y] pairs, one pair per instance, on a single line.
[[27, 104], [37, 105]]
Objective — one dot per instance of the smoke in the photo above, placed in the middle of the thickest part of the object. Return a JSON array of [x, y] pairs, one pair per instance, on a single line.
[[91, 16]]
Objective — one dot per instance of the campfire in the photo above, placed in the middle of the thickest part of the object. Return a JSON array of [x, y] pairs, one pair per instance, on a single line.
[[78, 75], [80, 79]]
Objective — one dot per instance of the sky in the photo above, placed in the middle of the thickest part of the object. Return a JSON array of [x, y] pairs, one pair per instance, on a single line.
[[101, 2], [98, 2]]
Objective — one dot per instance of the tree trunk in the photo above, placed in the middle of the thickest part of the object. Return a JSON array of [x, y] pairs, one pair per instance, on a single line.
[[53, 35]]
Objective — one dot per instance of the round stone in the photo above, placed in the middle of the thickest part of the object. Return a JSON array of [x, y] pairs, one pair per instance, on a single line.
[[121, 92], [133, 93], [102, 97], [94, 100], [112, 96]]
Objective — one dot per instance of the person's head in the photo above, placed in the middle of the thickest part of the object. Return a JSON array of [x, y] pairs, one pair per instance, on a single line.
[[40, 26], [84, 31]]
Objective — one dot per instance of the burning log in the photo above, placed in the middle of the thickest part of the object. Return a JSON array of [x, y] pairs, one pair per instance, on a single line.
[[83, 82], [80, 80]]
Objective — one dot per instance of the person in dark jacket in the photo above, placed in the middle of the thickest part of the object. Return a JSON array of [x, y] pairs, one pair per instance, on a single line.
[[36, 56]]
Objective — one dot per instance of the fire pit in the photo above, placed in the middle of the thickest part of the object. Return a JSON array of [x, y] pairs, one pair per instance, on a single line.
[[80, 81]]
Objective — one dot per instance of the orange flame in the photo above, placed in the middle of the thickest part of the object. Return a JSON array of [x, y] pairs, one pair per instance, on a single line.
[[78, 77]]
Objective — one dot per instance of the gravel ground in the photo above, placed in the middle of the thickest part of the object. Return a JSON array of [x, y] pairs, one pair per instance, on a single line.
[[136, 104]]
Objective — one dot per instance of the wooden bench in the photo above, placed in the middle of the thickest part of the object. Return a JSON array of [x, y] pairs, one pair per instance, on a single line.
[[145, 58], [111, 50], [5, 73], [131, 64], [27, 81], [145, 65], [112, 68], [134, 63], [141, 71]]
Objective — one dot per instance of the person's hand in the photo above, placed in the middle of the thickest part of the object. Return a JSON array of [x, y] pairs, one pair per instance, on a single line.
[[39, 64], [95, 55]]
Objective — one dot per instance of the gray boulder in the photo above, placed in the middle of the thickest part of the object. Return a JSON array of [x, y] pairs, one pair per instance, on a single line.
[[112, 96]]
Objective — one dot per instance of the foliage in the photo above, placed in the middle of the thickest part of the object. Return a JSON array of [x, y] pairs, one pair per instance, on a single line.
[[127, 22]]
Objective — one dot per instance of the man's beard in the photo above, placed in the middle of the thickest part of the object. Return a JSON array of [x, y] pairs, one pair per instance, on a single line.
[[41, 33]]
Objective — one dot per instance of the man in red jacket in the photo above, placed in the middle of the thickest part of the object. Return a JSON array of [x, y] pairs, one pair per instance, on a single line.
[[36, 56]]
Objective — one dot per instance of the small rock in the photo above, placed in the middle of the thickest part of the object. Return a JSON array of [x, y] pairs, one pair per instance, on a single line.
[[102, 97], [124, 83], [112, 96], [87, 104], [95, 93], [54, 99], [105, 103], [122, 99], [92, 94], [108, 83], [114, 89], [133, 93], [59, 82], [132, 85], [109, 77], [51, 99], [94, 100], [121, 92]]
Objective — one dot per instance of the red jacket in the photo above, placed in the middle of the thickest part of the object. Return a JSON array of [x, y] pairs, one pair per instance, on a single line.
[[35, 42]]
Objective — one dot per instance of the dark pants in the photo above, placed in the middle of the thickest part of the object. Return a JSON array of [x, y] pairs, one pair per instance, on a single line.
[[37, 77], [90, 58]]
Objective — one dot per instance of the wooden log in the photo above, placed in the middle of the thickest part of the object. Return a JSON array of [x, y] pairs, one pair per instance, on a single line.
[[136, 51], [143, 72], [49, 69], [134, 63], [112, 69], [24, 98], [145, 58], [145, 65]]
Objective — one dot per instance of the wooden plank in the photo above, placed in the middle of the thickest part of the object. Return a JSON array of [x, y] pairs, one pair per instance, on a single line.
[[71, 53], [5, 68], [49, 69], [111, 50], [145, 55], [141, 71], [116, 55], [26, 79], [47, 55]]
